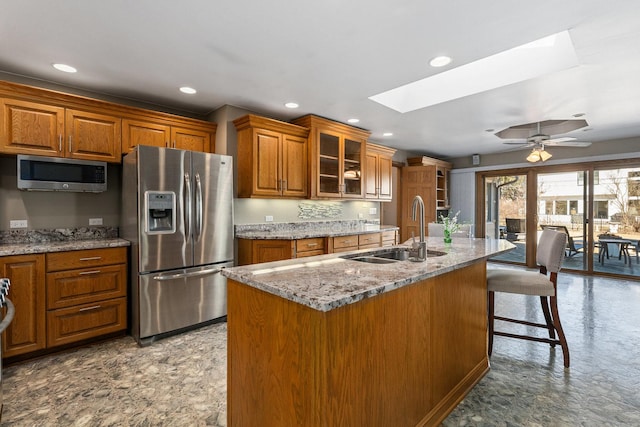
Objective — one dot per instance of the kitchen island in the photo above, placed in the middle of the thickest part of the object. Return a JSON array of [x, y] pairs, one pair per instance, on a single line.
[[332, 341]]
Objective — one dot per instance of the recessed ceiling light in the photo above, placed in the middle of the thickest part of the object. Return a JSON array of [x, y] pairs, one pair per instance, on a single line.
[[544, 56], [187, 90], [489, 130], [387, 134], [64, 67], [291, 105], [353, 120], [579, 115], [440, 61]]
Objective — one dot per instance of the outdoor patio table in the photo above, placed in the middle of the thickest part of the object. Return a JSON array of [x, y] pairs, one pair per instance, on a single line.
[[622, 246]]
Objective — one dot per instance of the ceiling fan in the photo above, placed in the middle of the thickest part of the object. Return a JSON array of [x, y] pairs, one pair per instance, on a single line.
[[537, 135]]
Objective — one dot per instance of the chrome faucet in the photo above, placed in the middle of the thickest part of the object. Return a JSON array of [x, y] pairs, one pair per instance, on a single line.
[[418, 251]]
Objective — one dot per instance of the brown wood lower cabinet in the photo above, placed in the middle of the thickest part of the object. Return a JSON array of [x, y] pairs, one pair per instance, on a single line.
[[310, 247], [86, 294], [27, 332], [402, 358], [254, 251], [68, 325]]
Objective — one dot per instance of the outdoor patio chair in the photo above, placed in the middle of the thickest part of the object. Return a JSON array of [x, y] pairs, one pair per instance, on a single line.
[[549, 257], [515, 228], [574, 246]]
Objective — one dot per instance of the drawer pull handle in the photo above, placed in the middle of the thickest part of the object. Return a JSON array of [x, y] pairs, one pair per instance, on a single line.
[[85, 273], [312, 244], [91, 258], [93, 307]]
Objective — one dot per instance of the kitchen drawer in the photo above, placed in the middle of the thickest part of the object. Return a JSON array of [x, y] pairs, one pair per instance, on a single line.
[[73, 287], [71, 260], [343, 242], [310, 253], [315, 245], [68, 325], [366, 240], [389, 238]]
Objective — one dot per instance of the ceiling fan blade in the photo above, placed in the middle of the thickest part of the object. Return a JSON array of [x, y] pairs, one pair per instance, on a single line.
[[559, 140], [548, 127], [522, 143], [569, 144]]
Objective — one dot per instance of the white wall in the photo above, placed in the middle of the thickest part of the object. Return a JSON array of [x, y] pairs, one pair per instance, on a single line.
[[462, 194]]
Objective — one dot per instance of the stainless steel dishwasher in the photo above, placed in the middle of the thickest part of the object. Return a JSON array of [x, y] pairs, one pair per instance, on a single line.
[[8, 317]]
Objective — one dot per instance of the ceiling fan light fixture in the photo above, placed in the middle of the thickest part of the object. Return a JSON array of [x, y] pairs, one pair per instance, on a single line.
[[544, 155], [534, 156]]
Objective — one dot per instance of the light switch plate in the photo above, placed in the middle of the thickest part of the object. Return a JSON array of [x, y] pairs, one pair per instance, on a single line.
[[95, 221], [373, 211], [18, 223], [268, 218]]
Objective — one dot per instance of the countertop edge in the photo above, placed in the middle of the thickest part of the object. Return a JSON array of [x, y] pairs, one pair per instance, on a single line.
[[72, 245]]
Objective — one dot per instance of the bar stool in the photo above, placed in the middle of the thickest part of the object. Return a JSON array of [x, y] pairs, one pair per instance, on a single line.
[[549, 258]]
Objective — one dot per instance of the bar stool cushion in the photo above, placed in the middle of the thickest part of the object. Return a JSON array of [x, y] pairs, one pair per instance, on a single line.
[[519, 282]]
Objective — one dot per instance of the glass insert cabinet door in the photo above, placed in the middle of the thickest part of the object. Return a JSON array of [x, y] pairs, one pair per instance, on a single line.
[[352, 168], [329, 177], [340, 166]]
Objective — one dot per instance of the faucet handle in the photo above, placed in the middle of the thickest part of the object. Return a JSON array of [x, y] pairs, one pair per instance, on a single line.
[[413, 239]]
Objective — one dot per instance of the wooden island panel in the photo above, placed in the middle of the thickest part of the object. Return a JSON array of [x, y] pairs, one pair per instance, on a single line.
[[403, 358]]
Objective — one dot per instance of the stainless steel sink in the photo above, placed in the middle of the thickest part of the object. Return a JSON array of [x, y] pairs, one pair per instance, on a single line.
[[388, 256]]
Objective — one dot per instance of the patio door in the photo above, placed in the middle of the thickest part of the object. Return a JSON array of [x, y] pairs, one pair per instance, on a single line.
[[562, 202], [506, 213], [616, 220]]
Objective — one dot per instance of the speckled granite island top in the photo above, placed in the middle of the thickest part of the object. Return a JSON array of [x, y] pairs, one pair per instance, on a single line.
[[326, 282], [25, 242]]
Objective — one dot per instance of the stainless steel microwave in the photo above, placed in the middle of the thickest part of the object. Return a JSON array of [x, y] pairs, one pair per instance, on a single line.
[[38, 173]]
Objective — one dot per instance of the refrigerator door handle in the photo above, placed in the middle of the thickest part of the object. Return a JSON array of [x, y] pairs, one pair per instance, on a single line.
[[204, 272], [198, 207], [188, 213]]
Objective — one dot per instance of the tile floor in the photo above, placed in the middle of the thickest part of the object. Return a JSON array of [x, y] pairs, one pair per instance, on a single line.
[[180, 381]]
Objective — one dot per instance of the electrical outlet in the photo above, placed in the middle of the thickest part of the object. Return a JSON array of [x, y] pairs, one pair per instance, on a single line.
[[360, 216], [268, 218], [18, 223], [95, 221], [373, 211]]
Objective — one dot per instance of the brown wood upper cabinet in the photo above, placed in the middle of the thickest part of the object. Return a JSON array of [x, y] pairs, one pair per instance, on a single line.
[[272, 158], [140, 131], [336, 158], [378, 172], [426, 177], [47, 123], [29, 127]]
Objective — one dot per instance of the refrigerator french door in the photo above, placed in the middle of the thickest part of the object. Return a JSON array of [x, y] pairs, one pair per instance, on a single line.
[[178, 215]]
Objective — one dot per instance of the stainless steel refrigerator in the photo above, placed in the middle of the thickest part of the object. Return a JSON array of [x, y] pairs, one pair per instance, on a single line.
[[177, 211]]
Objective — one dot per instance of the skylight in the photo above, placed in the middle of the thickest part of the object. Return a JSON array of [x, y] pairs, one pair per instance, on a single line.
[[528, 61]]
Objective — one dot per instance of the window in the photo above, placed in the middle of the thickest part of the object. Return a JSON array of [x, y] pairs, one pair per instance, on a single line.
[[561, 207], [573, 207], [601, 209], [596, 178], [633, 184]]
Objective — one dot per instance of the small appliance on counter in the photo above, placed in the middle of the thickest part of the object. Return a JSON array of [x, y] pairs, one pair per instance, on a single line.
[[8, 317], [177, 212]]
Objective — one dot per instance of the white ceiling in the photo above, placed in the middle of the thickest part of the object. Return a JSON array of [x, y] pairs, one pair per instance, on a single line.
[[330, 56]]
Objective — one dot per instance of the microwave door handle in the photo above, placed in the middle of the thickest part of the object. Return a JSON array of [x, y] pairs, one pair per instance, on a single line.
[[187, 206], [198, 207]]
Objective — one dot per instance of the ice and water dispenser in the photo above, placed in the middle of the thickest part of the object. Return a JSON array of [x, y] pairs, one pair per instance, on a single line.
[[160, 212]]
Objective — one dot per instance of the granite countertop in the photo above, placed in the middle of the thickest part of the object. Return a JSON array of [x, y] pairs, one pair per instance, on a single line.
[[287, 232], [325, 282], [72, 245], [23, 242]]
